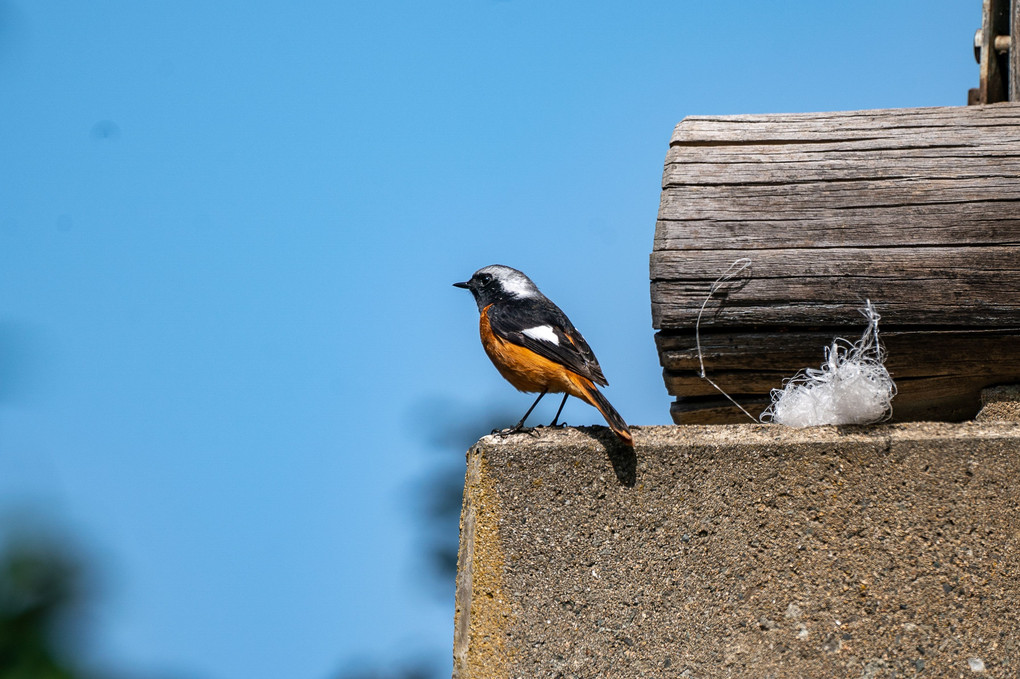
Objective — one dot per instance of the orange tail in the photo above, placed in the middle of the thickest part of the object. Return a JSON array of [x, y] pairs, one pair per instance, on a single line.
[[601, 403]]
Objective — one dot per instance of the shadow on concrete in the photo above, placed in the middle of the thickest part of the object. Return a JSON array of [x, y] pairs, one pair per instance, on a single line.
[[622, 457], [624, 461]]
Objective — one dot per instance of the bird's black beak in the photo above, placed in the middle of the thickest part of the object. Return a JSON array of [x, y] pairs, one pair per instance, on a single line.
[[462, 285]]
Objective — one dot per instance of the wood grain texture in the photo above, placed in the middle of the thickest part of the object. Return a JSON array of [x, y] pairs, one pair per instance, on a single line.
[[917, 210], [922, 399], [911, 352], [757, 362], [1014, 51], [993, 66], [977, 286]]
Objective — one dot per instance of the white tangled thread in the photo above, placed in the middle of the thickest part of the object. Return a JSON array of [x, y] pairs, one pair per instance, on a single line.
[[852, 386]]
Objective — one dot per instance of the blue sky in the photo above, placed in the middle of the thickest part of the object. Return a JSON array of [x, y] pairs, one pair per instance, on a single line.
[[227, 236]]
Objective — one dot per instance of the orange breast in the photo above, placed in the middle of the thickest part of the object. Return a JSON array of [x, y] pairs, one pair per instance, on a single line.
[[525, 369]]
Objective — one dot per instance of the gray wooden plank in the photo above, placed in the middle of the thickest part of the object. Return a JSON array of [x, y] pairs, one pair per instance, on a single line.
[[932, 262], [995, 223], [948, 309], [864, 168], [931, 286], [910, 353], [1001, 143], [736, 201], [841, 125]]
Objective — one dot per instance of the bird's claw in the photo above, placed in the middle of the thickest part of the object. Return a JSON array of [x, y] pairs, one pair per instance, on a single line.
[[503, 433]]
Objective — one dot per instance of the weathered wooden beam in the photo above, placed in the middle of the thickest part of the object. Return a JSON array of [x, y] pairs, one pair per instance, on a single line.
[[825, 286], [917, 210], [912, 353]]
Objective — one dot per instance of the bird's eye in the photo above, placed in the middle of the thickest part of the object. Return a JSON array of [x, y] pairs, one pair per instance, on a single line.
[[485, 278]]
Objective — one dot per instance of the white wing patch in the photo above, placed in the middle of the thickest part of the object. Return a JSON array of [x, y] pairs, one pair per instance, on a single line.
[[543, 333]]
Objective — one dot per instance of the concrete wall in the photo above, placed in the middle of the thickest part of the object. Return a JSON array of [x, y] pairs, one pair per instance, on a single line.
[[743, 551]]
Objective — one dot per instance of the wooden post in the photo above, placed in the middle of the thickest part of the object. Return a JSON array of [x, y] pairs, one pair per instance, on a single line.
[[917, 210], [997, 48], [1014, 51]]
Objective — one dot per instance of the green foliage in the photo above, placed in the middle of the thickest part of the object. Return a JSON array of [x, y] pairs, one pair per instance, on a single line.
[[39, 588]]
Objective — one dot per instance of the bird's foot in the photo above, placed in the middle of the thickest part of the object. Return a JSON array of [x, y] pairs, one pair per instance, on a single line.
[[517, 429]]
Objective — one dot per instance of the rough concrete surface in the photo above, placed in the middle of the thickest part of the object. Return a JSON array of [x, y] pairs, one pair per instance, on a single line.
[[1000, 403], [743, 551]]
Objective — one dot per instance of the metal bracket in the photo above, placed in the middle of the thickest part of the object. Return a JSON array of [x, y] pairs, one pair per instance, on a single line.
[[1000, 65]]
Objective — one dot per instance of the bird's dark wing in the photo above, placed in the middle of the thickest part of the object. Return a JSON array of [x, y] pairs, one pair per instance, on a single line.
[[539, 325]]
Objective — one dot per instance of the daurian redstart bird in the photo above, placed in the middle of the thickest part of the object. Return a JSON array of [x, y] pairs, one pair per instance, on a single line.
[[535, 346]]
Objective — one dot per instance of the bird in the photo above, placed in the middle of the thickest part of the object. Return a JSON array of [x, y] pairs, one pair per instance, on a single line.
[[535, 347]]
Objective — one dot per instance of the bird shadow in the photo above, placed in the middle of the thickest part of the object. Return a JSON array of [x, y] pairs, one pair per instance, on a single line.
[[621, 456], [624, 461]]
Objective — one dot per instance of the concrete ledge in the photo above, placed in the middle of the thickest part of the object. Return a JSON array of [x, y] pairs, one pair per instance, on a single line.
[[1000, 403], [742, 551]]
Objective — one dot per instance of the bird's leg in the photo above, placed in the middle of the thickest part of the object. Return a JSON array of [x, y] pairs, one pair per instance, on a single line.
[[520, 425], [557, 418]]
